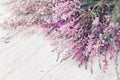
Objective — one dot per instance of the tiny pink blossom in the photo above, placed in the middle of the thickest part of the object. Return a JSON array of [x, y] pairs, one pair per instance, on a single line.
[[96, 21]]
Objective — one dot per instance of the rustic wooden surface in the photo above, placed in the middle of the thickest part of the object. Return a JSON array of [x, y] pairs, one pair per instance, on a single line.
[[29, 57]]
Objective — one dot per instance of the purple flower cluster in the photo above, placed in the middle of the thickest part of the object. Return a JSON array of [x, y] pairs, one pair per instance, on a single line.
[[85, 31]]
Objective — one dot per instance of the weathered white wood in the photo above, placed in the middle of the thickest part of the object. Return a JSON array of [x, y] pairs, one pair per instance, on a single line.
[[29, 57]]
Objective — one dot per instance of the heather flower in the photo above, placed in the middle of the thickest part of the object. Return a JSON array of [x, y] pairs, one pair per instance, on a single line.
[[83, 30], [96, 21]]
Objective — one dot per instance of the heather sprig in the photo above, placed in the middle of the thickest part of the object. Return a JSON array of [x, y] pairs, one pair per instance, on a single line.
[[85, 29]]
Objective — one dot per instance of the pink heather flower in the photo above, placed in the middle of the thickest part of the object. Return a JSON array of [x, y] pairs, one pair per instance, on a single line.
[[105, 67], [72, 28], [96, 21], [112, 25]]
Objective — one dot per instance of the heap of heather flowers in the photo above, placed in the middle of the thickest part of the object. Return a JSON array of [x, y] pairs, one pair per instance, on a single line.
[[84, 29]]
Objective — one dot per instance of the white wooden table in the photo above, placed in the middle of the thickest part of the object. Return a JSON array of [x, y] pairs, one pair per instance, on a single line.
[[29, 57]]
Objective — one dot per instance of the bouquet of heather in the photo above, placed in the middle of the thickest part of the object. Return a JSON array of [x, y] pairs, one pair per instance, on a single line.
[[85, 29]]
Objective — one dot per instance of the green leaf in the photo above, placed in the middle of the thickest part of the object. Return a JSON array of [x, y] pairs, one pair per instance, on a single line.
[[91, 2]]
